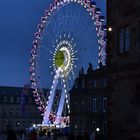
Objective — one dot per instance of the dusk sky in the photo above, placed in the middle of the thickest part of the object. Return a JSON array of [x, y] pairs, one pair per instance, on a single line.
[[18, 23]]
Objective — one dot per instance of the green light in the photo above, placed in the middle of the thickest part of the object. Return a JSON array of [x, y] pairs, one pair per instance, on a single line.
[[59, 58]]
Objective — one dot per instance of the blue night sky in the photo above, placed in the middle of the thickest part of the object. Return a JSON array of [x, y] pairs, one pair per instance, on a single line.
[[18, 23]]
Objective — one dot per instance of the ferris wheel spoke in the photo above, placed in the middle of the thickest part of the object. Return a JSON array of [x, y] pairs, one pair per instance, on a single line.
[[49, 37], [67, 101], [61, 106], [51, 97]]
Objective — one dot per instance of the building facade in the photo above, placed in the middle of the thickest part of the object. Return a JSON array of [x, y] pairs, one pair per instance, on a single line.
[[17, 108], [123, 49], [88, 102]]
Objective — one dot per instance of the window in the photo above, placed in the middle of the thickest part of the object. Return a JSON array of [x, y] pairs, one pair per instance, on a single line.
[[104, 104], [30, 100], [5, 99], [105, 82], [121, 40], [4, 114], [83, 83], [139, 36], [17, 99], [83, 106], [94, 83], [4, 122], [17, 114], [10, 114], [94, 126], [11, 99], [94, 104], [104, 126], [124, 40], [137, 95]]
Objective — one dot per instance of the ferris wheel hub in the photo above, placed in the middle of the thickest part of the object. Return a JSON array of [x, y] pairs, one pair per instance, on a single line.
[[63, 57]]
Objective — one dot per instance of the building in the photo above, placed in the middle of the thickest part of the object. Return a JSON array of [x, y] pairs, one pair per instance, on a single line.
[[17, 111], [88, 102], [123, 49]]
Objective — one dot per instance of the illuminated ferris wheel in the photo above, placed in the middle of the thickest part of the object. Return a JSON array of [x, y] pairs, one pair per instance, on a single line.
[[71, 35]]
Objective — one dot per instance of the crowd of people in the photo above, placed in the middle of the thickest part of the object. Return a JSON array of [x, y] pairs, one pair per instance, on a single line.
[[52, 135]]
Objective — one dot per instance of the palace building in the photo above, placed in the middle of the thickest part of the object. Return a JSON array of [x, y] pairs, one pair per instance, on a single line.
[[17, 108], [123, 62], [88, 102]]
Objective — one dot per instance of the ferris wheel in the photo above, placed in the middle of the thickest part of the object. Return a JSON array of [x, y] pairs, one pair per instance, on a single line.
[[71, 35]]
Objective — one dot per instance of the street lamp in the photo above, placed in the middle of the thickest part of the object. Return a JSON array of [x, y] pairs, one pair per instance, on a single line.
[[109, 29], [97, 129]]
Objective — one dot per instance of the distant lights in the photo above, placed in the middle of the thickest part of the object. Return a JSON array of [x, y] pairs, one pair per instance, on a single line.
[[110, 29], [34, 125]]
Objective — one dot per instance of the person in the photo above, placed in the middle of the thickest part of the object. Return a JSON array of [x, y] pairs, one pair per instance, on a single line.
[[11, 135], [49, 134], [33, 135], [92, 136], [55, 136], [23, 136]]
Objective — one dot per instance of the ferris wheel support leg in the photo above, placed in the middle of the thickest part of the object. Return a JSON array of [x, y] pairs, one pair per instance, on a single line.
[[51, 98], [60, 107]]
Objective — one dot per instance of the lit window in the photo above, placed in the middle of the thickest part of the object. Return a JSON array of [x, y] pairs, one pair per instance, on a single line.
[[94, 104], [124, 40]]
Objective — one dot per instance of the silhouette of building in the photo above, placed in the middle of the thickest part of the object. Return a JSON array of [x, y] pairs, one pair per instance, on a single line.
[[17, 111], [123, 49], [88, 101]]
